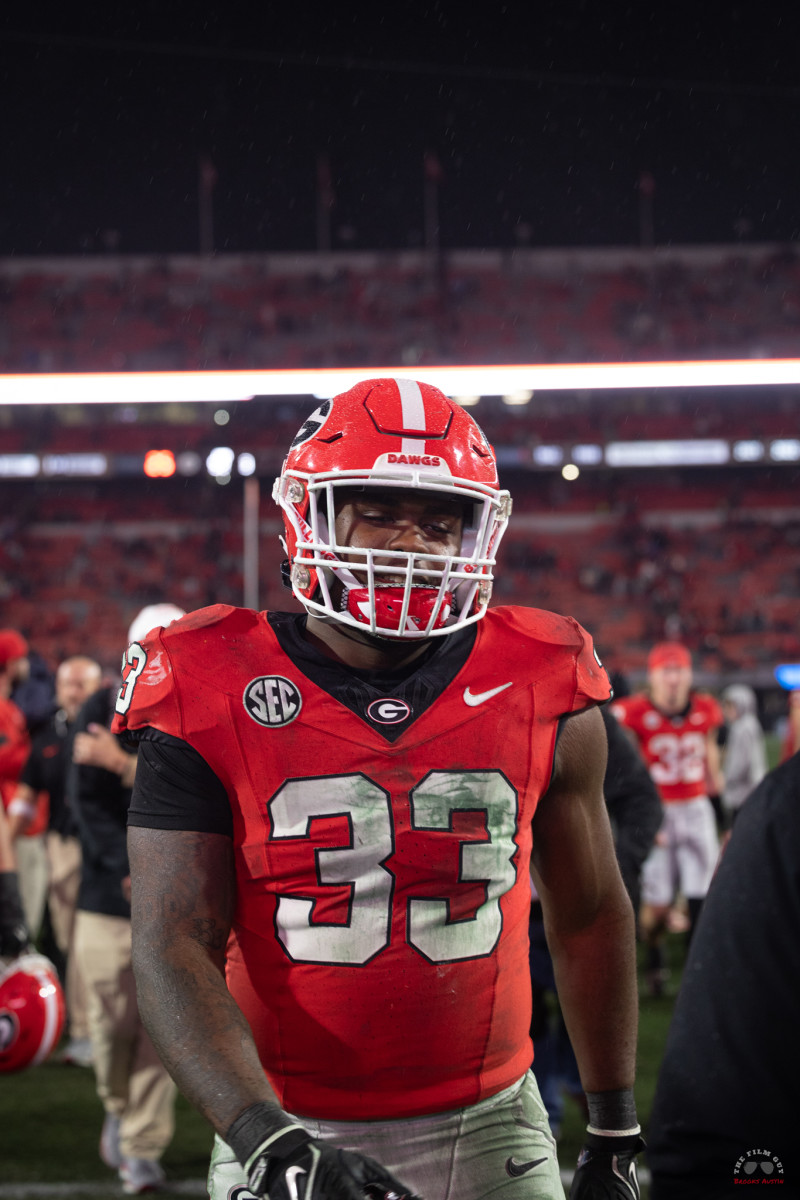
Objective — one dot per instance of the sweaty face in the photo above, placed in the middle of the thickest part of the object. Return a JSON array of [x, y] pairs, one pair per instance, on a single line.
[[670, 687], [393, 519]]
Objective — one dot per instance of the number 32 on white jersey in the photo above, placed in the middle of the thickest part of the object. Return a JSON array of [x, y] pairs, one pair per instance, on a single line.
[[678, 757]]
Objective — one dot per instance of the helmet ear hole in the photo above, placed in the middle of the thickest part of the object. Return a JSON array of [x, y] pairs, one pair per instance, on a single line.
[[32, 1012]]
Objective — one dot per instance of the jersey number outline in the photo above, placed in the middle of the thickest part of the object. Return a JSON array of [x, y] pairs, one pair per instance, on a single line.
[[360, 864], [134, 657], [678, 757]]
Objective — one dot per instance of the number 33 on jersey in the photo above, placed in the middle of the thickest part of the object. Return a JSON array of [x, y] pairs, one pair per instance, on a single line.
[[377, 873]]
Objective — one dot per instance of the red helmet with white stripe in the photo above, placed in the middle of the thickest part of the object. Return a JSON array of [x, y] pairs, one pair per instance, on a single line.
[[32, 1011], [391, 433]]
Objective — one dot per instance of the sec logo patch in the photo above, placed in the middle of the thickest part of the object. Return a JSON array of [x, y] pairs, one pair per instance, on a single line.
[[388, 712], [272, 701]]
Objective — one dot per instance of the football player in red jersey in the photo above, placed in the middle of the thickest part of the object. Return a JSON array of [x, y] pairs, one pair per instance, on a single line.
[[14, 936], [676, 729], [334, 816], [14, 745]]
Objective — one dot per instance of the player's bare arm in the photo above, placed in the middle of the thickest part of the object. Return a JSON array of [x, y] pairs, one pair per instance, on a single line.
[[588, 915], [590, 930], [183, 897], [14, 936], [8, 861]]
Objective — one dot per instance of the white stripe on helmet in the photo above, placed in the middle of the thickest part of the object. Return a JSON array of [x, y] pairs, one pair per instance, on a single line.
[[413, 414]]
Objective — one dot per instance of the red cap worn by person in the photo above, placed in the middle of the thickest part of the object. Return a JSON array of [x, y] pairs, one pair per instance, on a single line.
[[12, 645], [668, 654]]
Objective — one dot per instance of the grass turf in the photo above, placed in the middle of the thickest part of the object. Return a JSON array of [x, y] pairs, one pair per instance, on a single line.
[[51, 1116]]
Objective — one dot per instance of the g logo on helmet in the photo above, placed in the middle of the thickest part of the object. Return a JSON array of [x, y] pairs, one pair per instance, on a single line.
[[312, 425], [32, 1012]]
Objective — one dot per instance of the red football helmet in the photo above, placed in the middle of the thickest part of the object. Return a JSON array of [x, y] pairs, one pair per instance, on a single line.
[[32, 1011], [391, 433]]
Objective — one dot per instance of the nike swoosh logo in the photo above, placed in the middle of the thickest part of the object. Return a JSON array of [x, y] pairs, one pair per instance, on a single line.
[[291, 1177], [521, 1168], [632, 1182], [480, 697]]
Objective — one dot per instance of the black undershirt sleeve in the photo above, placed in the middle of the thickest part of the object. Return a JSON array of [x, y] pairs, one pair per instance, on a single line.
[[175, 788]]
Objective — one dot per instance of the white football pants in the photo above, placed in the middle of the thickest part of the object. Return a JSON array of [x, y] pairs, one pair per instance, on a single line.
[[501, 1147]]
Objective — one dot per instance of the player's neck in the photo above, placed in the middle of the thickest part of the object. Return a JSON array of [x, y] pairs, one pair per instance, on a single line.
[[671, 708], [360, 651]]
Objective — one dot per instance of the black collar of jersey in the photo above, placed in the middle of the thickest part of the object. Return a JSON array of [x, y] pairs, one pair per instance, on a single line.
[[388, 701]]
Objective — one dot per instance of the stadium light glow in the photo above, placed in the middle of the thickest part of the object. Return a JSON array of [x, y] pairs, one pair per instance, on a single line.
[[691, 452], [788, 676], [19, 466], [587, 454], [148, 387], [785, 450], [188, 462], [219, 462], [548, 456], [159, 464], [749, 450], [86, 465]]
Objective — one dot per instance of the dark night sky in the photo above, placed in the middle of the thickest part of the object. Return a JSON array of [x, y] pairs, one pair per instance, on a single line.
[[543, 117]]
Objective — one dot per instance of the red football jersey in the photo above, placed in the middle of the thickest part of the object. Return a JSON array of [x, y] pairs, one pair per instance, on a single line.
[[674, 748], [14, 748], [380, 944]]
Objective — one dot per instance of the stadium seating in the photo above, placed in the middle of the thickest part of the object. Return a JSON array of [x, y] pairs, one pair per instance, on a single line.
[[239, 311], [712, 557]]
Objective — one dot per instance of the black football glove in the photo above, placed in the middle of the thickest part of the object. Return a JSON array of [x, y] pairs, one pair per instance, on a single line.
[[606, 1168], [298, 1167], [14, 936]]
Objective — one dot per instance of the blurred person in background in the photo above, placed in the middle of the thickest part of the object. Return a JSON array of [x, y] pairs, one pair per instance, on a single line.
[[676, 729], [137, 1093], [791, 740], [14, 738], [42, 786], [34, 693], [634, 807], [744, 762], [633, 804], [14, 748], [14, 936]]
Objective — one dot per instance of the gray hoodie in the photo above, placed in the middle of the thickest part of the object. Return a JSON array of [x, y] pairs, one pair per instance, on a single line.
[[744, 763]]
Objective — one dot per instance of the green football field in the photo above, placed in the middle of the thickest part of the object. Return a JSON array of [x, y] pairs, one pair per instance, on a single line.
[[50, 1120]]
